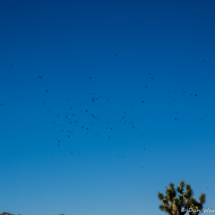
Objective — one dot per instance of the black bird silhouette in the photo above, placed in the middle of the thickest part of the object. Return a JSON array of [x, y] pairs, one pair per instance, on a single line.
[[46, 91], [89, 77], [39, 77], [10, 65]]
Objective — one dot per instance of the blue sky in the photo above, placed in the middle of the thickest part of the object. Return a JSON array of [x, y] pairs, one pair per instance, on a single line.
[[142, 72]]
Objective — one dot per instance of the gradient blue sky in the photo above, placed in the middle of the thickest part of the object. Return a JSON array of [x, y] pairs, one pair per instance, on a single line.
[[66, 42]]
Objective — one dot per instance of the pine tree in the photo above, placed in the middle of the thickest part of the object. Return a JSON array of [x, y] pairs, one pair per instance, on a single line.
[[185, 201]]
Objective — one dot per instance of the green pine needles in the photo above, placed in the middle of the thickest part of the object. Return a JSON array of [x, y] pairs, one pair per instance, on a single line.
[[185, 201]]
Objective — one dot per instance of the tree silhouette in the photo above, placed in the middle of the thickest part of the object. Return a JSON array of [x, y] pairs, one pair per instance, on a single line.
[[185, 201]]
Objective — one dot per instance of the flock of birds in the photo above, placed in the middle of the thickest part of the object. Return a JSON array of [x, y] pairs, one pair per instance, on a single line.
[[72, 119]]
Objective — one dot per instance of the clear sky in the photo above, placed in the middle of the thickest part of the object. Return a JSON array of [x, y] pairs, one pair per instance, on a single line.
[[138, 76]]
